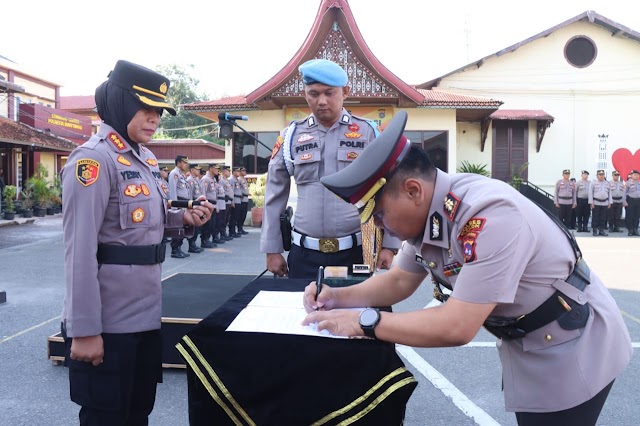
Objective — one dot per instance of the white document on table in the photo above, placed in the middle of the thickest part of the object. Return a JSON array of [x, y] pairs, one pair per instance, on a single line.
[[279, 312]]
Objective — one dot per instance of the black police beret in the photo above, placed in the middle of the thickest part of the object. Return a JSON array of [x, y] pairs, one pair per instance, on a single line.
[[147, 85]]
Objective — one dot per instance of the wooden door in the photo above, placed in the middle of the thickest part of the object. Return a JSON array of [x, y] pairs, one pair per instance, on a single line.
[[510, 142]]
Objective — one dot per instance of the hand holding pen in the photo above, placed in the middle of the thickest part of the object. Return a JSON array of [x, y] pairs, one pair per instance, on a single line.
[[319, 281]]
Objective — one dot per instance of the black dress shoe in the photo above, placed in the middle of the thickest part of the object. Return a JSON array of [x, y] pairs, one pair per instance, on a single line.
[[602, 233], [218, 241], [207, 244], [243, 232], [178, 254], [595, 233], [195, 249]]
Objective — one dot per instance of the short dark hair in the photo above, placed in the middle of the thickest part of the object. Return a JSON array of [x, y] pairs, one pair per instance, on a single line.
[[415, 164]]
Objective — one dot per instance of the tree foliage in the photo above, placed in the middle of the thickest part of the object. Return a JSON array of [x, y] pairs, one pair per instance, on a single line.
[[184, 91]]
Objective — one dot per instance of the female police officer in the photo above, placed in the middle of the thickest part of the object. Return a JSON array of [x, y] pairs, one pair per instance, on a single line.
[[511, 268], [115, 217]]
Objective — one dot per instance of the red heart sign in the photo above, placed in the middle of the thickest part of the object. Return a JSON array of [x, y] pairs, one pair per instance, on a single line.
[[623, 161]]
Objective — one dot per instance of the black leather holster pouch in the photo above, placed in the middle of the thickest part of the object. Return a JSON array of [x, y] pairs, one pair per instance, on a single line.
[[285, 227]]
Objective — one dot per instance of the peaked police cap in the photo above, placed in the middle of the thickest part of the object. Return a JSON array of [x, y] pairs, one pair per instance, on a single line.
[[148, 86]]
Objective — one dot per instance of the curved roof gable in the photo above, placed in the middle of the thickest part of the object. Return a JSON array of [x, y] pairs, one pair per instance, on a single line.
[[334, 35]]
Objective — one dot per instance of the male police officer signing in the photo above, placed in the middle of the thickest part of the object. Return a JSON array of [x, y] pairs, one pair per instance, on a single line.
[[510, 266], [114, 218], [326, 229]]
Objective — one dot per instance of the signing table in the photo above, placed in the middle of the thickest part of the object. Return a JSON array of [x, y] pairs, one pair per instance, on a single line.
[[242, 378]]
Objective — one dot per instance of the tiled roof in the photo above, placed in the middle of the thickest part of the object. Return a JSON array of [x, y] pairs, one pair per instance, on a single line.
[[13, 132], [521, 114], [231, 103], [615, 28], [77, 102], [441, 99]]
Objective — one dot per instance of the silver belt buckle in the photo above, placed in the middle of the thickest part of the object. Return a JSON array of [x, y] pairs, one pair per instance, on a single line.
[[329, 245]]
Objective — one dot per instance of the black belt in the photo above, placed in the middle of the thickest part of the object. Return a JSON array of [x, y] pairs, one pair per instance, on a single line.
[[566, 198], [569, 314], [602, 200], [131, 255], [617, 198], [221, 198]]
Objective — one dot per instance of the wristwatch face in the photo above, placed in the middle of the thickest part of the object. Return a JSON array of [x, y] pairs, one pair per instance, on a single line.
[[369, 317]]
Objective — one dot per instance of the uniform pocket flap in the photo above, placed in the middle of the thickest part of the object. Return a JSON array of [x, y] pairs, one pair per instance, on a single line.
[[549, 335]]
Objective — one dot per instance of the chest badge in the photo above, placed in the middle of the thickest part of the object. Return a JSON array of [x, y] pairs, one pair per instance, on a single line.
[[87, 171], [132, 191], [305, 137], [137, 215], [145, 189], [352, 155], [151, 161], [452, 269], [353, 127], [123, 160], [306, 157], [353, 135]]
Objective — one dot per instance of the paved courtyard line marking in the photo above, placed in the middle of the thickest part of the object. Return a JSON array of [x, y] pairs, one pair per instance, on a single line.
[[6, 339], [631, 317], [446, 387]]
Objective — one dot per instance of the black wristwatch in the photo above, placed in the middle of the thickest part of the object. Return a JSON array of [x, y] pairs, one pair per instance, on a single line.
[[369, 318]]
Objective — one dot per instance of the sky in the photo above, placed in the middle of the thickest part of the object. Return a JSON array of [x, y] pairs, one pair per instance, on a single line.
[[235, 46]]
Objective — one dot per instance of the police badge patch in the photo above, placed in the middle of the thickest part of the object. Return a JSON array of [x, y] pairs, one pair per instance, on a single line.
[[87, 171], [277, 146], [435, 221]]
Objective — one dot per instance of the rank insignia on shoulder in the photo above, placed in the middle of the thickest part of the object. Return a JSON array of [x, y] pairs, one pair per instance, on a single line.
[[353, 135], [137, 215], [152, 161], [115, 140], [87, 171], [451, 204], [123, 160], [353, 127], [305, 137], [434, 224], [277, 146]]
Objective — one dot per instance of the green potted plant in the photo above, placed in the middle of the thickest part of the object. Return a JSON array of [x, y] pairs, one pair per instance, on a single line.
[[256, 190], [9, 196], [26, 198], [57, 193], [479, 169], [41, 191]]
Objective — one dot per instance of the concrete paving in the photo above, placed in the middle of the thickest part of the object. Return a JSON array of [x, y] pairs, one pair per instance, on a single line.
[[457, 386]]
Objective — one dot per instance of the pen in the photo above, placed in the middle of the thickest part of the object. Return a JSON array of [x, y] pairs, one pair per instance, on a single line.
[[319, 282]]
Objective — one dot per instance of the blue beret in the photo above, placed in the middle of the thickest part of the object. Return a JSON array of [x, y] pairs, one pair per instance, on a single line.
[[324, 72]]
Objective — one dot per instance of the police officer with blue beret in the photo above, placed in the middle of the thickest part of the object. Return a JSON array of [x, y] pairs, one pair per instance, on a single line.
[[511, 267], [114, 219], [326, 229]]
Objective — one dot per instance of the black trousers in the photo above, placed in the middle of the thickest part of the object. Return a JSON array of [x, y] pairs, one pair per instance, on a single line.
[[614, 214], [176, 243], [633, 212], [244, 208], [564, 214], [585, 414], [221, 222], [121, 390], [582, 212], [231, 218], [599, 220], [209, 228], [304, 263]]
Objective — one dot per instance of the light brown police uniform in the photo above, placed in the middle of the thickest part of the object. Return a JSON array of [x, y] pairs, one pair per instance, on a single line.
[[317, 151], [491, 245], [112, 195]]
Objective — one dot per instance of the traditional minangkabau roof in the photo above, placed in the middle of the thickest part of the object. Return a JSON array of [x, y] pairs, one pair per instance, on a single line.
[[17, 133], [334, 35], [615, 28]]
